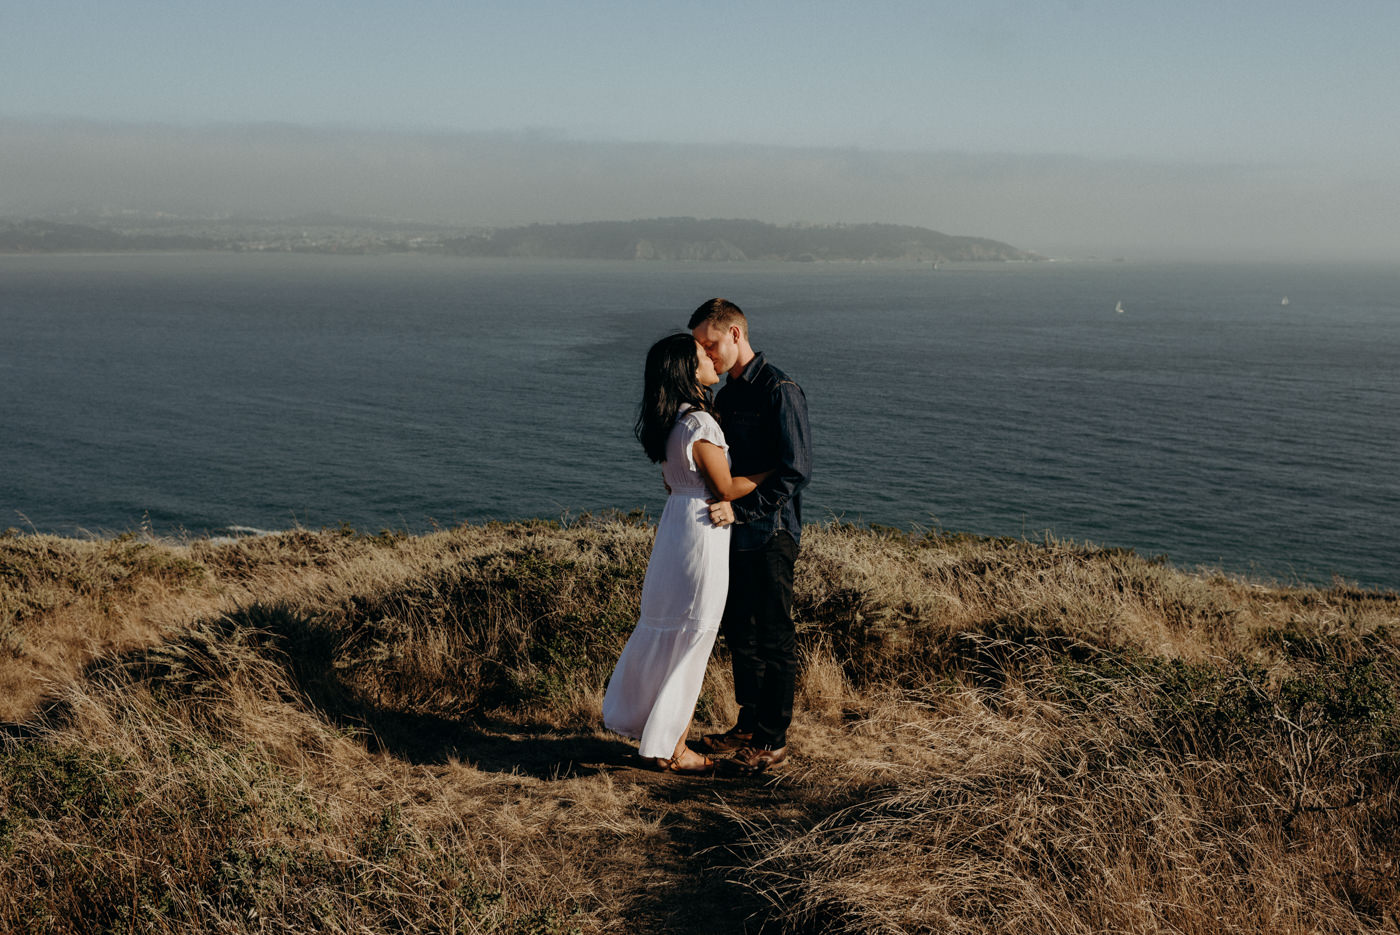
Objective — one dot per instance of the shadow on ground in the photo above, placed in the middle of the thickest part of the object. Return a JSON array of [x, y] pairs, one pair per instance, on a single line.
[[308, 652]]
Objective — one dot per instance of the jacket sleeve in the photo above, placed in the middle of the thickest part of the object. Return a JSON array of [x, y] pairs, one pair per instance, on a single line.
[[794, 468]]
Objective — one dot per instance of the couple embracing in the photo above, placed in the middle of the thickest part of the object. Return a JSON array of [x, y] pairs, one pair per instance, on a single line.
[[724, 552]]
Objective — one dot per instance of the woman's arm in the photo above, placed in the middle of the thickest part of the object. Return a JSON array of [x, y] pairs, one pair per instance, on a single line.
[[709, 458]]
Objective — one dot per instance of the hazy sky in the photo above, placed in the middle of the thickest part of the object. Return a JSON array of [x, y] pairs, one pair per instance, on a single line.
[[1261, 128]]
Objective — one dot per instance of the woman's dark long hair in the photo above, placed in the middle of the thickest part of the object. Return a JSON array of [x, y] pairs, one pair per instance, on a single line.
[[669, 384]]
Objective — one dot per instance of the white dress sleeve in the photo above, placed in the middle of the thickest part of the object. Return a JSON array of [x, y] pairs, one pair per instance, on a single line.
[[703, 427]]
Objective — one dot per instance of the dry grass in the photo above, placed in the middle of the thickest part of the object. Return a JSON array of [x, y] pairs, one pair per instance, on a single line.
[[331, 732]]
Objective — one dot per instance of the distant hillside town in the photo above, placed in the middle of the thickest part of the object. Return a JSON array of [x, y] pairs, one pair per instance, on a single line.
[[677, 239]]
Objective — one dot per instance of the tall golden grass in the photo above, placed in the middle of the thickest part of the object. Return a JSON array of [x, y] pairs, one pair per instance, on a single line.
[[334, 732]]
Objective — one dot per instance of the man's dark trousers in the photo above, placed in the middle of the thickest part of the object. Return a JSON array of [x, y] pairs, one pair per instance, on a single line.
[[762, 639]]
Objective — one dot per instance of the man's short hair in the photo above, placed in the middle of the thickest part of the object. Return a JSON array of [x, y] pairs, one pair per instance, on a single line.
[[721, 312]]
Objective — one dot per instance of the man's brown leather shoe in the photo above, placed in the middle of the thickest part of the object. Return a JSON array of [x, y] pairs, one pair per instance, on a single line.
[[732, 739], [750, 761]]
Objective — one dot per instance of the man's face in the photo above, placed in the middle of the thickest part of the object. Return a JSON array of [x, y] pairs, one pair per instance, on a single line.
[[721, 344]]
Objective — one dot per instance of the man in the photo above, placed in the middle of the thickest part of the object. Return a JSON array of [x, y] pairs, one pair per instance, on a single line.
[[764, 417]]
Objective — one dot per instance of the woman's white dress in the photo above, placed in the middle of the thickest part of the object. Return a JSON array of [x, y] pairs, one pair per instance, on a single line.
[[657, 680]]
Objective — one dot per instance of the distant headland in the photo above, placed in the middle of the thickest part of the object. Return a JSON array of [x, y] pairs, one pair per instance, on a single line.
[[677, 239]]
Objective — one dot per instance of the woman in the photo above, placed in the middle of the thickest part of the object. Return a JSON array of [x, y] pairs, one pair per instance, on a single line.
[[656, 682]]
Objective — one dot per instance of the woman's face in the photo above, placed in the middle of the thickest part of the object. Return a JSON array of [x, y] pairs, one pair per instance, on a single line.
[[704, 367]]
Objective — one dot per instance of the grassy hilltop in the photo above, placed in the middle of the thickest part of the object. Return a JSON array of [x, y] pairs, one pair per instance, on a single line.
[[333, 732]]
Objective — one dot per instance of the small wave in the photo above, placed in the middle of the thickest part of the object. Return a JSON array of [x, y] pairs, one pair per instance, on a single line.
[[234, 533]]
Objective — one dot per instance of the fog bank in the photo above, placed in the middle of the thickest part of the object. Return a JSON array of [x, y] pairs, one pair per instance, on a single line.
[[1054, 205]]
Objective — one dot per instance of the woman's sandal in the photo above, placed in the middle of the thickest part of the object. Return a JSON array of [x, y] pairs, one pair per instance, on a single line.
[[671, 766]]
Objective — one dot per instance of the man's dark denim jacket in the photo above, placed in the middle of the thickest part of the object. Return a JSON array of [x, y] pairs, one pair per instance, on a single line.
[[764, 417]]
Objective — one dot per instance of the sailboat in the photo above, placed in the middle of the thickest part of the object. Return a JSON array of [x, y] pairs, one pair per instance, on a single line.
[[1119, 307], [1285, 301]]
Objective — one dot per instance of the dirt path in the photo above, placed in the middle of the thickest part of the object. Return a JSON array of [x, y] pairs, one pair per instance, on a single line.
[[684, 877]]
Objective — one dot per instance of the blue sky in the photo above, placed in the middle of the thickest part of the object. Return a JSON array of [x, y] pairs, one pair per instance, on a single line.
[[1302, 92]]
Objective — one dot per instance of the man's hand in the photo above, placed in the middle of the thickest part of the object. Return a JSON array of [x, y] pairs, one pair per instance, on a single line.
[[721, 513]]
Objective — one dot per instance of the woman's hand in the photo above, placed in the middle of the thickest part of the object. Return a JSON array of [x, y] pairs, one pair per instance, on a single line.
[[721, 512]]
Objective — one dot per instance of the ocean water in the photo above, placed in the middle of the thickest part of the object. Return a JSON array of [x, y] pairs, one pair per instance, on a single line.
[[1210, 421]]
